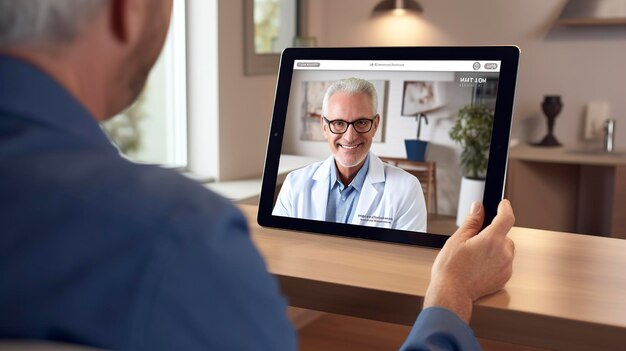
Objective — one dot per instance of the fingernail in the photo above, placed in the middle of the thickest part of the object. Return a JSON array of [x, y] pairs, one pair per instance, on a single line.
[[475, 208], [506, 202]]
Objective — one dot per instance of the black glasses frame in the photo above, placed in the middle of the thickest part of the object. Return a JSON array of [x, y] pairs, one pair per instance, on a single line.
[[371, 120]]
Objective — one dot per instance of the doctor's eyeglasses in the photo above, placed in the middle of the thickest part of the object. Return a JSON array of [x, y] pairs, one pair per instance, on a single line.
[[339, 126]]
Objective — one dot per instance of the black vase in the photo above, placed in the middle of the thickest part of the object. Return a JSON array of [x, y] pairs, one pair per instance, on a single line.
[[551, 106]]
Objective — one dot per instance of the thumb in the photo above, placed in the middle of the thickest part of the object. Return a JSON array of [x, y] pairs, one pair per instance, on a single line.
[[473, 222]]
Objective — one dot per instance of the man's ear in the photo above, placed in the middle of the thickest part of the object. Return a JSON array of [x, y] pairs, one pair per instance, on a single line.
[[376, 121], [125, 18], [119, 27], [323, 124]]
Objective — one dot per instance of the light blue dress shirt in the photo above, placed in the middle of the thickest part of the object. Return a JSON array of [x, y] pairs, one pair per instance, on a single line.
[[342, 200]]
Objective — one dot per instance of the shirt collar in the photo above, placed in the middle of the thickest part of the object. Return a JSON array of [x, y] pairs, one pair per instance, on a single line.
[[27, 92], [334, 180], [358, 180]]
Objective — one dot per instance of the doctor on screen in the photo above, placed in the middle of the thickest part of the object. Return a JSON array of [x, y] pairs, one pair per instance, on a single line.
[[353, 185]]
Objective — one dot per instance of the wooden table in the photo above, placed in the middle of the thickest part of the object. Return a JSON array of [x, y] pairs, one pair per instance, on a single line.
[[568, 291]]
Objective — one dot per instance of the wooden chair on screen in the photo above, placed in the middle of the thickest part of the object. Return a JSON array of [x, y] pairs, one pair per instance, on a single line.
[[425, 172]]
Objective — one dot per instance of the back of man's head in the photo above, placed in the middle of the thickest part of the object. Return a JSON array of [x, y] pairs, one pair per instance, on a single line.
[[35, 22]]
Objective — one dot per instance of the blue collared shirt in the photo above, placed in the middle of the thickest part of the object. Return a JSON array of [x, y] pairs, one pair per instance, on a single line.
[[342, 200]]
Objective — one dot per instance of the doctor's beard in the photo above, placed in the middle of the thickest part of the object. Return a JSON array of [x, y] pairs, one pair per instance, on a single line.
[[348, 165]]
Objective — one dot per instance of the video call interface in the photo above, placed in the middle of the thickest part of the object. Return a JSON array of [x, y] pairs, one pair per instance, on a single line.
[[374, 173]]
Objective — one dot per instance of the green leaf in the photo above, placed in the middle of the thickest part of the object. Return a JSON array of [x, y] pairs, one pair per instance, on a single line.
[[472, 131]]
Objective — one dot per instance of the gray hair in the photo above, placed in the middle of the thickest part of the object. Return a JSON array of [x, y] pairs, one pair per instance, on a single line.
[[42, 21], [351, 86]]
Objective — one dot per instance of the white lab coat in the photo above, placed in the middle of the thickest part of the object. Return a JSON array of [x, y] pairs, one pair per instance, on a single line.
[[390, 197]]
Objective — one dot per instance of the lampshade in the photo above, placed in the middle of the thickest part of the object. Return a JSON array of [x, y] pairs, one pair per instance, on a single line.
[[397, 7]]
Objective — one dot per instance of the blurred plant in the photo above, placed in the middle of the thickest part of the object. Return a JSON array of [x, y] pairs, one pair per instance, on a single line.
[[266, 25], [472, 130], [124, 130]]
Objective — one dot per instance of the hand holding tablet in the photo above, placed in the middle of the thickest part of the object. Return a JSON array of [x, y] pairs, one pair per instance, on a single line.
[[472, 264]]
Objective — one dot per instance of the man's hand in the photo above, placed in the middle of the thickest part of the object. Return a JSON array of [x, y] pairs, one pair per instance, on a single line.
[[471, 265]]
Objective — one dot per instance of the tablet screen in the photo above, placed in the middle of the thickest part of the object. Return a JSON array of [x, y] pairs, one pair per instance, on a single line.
[[390, 147]]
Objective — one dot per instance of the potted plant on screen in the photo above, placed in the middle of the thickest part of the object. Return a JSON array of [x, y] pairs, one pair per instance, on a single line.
[[472, 130]]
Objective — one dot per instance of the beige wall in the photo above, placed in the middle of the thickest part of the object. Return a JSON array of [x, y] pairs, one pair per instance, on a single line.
[[580, 64], [245, 101]]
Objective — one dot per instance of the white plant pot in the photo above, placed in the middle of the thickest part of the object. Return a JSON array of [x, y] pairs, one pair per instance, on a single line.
[[471, 190]]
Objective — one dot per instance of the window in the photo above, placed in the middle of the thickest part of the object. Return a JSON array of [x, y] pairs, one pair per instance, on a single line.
[[154, 128]]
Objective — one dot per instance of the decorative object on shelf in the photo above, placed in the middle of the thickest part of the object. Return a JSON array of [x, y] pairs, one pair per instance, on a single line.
[[472, 130], [551, 106], [418, 98], [609, 135], [397, 7]]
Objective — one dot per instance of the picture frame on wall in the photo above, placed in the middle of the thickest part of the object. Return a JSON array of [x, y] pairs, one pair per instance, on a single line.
[[421, 96]]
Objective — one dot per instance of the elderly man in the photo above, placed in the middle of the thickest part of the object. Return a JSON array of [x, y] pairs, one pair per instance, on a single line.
[[99, 251], [353, 185]]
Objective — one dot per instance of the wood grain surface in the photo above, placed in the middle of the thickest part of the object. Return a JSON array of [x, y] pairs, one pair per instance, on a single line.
[[568, 291]]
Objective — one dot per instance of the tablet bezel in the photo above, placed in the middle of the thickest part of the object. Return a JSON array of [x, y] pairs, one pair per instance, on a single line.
[[498, 154]]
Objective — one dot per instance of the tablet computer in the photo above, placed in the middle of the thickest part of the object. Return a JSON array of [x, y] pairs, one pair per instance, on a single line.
[[383, 143]]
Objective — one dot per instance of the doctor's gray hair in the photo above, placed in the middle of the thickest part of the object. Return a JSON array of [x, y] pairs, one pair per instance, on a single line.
[[351, 86], [44, 21]]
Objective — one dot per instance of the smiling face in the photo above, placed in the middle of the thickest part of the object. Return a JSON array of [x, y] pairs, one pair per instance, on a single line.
[[350, 148]]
